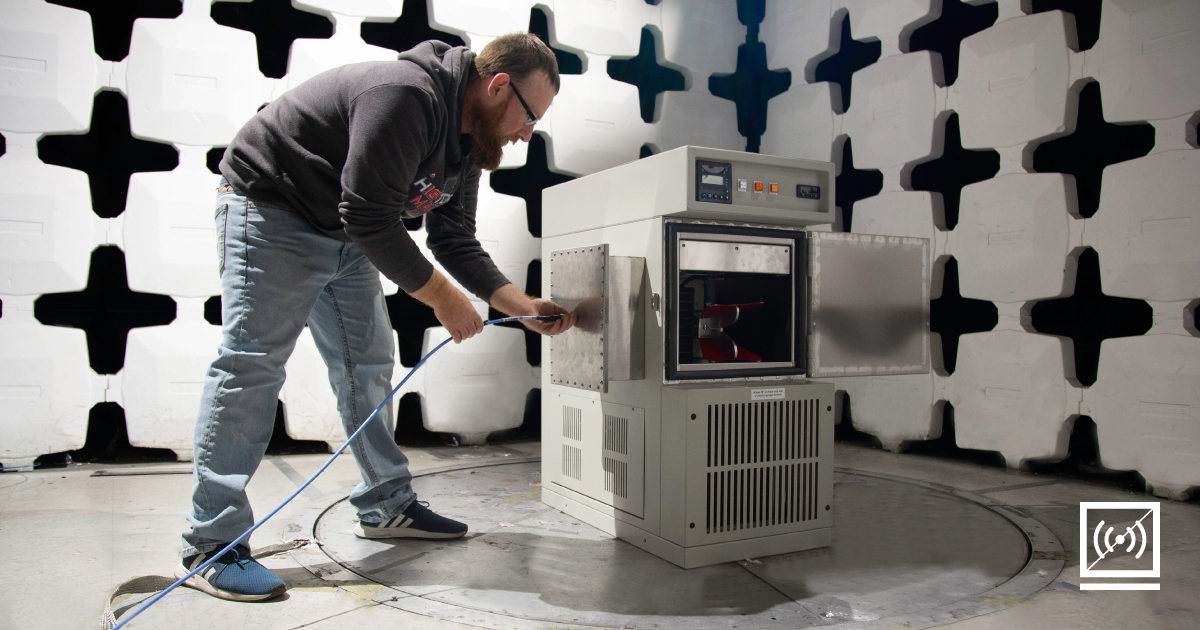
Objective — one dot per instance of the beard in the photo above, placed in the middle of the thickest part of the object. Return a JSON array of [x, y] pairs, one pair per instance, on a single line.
[[488, 148]]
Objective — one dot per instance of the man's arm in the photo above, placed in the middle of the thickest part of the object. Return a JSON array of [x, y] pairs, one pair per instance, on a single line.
[[452, 240], [453, 309], [385, 151], [510, 300]]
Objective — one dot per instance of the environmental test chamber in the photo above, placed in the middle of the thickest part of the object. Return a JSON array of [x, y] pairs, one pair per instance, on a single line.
[[680, 413]]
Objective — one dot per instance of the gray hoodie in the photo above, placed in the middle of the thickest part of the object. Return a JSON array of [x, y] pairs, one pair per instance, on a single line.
[[355, 149]]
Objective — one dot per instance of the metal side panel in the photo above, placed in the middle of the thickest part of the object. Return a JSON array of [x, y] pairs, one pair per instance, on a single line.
[[597, 449], [625, 329], [870, 305], [577, 284]]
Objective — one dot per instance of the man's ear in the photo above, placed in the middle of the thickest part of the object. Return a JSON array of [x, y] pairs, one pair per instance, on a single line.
[[497, 82]]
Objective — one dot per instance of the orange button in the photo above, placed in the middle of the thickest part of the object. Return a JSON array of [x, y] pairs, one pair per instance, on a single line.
[[774, 188], [757, 186]]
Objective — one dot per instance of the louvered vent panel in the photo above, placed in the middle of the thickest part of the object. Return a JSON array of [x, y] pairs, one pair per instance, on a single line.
[[616, 434], [572, 462], [572, 423], [762, 432], [616, 451], [616, 477], [746, 498], [761, 464]]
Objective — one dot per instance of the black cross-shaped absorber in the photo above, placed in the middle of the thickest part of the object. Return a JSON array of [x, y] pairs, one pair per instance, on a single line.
[[1089, 317], [112, 22], [853, 185], [108, 153], [528, 181], [647, 74], [752, 84], [275, 24], [957, 168], [410, 29], [106, 310], [957, 22], [851, 56], [1094, 145], [952, 315]]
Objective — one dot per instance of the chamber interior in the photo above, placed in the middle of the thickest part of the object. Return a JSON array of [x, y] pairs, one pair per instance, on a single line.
[[764, 330]]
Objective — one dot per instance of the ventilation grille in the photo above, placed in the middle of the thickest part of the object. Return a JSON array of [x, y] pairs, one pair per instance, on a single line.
[[616, 434], [616, 477], [616, 442], [761, 497], [762, 468], [572, 462], [762, 432], [572, 423]]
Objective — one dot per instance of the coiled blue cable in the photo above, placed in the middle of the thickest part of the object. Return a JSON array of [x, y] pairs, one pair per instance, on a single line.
[[313, 478]]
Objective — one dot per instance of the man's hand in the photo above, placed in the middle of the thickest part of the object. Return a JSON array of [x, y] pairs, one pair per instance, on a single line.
[[546, 307], [452, 309], [510, 300]]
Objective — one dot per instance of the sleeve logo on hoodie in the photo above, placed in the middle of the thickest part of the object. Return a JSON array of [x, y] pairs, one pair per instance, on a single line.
[[426, 197]]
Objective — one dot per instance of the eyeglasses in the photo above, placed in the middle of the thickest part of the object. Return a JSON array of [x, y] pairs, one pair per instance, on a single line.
[[531, 120]]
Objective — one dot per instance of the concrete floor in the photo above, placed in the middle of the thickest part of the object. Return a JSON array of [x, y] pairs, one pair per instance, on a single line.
[[69, 537]]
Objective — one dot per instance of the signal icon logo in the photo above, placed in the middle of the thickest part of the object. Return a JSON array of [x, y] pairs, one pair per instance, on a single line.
[[1129, 534], [1115, 545]]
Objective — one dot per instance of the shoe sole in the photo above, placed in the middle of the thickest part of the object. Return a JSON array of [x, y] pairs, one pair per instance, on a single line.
[[407, 532], [202, 585]]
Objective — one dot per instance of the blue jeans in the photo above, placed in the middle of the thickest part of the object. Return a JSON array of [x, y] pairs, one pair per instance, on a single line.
[[278, 272]]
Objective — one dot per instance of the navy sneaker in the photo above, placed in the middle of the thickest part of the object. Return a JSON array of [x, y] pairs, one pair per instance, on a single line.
[[235, 576], [418, 521]]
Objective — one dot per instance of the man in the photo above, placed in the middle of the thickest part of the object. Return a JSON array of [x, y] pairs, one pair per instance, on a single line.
[[308, 214]]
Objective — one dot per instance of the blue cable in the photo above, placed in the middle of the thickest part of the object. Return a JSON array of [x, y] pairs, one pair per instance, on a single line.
[[313, 478]]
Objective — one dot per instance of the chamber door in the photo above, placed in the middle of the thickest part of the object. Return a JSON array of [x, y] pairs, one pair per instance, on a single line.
[[869, 305]]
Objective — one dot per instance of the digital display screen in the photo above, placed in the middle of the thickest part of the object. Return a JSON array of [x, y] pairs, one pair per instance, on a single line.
[[808, 192], [712, 182]]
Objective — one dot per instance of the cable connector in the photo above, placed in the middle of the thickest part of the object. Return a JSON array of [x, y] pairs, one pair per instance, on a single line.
[[540, 318]]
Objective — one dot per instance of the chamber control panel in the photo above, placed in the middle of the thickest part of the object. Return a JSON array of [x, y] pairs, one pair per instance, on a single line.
[[714, 182], [751, 186]]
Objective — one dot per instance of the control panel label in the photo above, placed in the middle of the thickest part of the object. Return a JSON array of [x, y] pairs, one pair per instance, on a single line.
[[770, 393], [808, 192]]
